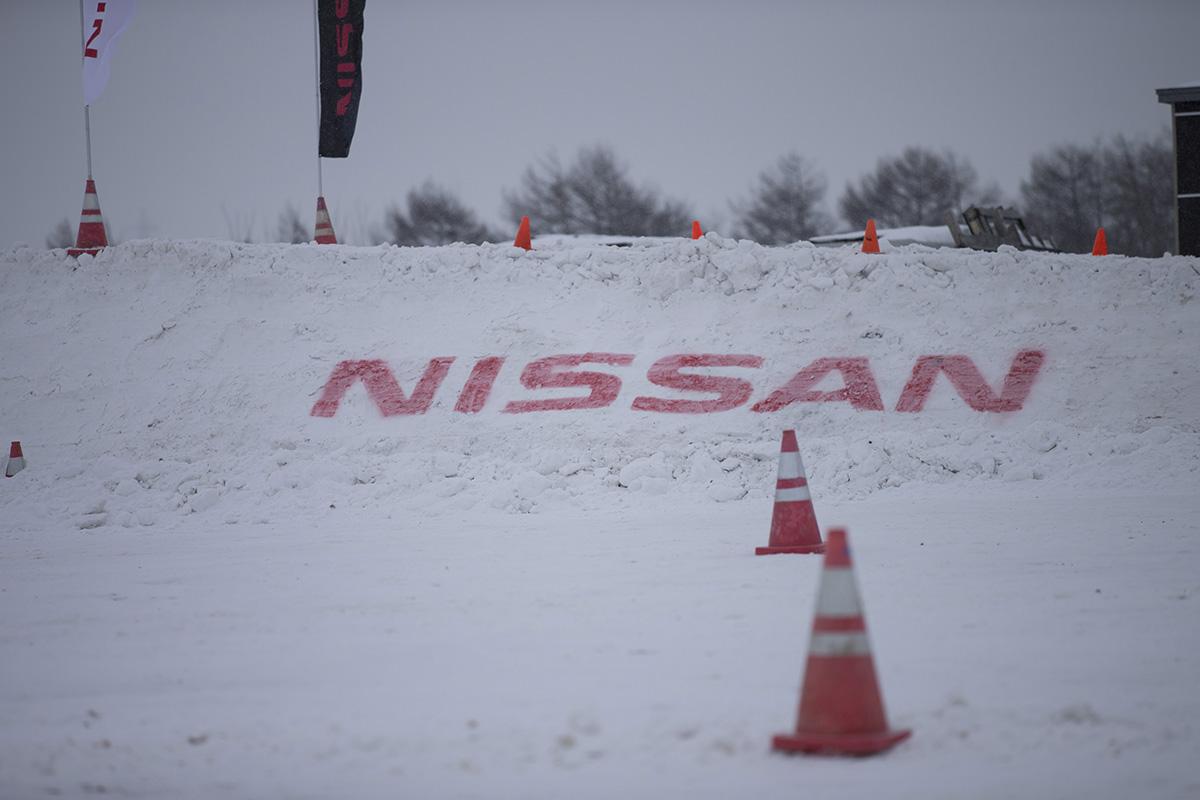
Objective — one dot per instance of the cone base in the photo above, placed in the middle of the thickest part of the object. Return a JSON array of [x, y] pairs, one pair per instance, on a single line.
[[76, 252], [846, 744], [796, 548]]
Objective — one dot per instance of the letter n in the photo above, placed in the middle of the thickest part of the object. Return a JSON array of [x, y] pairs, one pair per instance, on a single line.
[[382, 387], [970, 384]]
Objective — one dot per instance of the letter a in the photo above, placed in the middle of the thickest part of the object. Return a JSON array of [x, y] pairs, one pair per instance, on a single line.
[[860, 388]]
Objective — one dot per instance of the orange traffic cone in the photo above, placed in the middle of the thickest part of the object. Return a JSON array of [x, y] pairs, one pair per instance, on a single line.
[[870, 241], [16, 460], [523, 239], [1100, 246], [793, 522], [841, 709], [324, 230], [697, 231], [91, 237]]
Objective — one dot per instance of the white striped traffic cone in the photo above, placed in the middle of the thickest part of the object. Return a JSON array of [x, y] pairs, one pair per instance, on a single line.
[[92, 236], [793, 522], [841, 709], [324, 229], [16, 460]]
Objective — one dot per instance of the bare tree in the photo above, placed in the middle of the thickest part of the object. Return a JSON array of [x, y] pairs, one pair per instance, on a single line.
[[1140, 189], [915, 188], [593, 195], [545, 194], [291, 229], [785, 203], [1124, 186], [61, 235], [1064, 196], [434, 216], [239, 225]]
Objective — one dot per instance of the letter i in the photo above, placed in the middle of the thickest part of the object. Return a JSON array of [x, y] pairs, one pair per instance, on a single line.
[[479, 385]]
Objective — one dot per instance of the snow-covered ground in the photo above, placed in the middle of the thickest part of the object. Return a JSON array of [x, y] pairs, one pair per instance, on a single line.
[[930, 235], [224, 576]]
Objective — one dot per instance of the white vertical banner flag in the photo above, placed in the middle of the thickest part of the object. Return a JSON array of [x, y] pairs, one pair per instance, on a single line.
[[103, 23]]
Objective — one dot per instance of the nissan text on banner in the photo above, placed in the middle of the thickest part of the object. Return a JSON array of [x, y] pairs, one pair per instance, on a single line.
[[103, 23], [341, 27]]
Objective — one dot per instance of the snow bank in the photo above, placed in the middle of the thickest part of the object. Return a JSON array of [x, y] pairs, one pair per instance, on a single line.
[[1002, 434], [172, 378]]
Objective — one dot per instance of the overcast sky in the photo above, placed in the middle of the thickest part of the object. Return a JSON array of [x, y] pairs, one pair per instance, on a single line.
[[208, 125]]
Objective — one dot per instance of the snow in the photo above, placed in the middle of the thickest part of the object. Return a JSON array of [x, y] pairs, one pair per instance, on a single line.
[[551, 240], [928, 235], [209, 592]]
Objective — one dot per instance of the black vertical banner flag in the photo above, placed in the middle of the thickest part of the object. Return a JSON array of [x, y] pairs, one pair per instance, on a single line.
[[341, 26]]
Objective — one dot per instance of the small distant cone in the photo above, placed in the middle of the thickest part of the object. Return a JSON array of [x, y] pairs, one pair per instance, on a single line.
[[793, 522], [523, 239], [870, 241], [91, 237], [16, 460], [324, 230], [1100, 246], [841, 708], [697, 231]]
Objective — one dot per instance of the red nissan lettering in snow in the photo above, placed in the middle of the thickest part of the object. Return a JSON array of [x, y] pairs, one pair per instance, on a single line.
[[679, 372]]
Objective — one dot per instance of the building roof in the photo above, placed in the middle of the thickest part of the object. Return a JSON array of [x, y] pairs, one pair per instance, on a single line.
[[1188, 93]]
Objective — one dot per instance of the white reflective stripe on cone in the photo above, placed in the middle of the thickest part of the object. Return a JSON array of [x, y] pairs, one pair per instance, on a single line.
[[794, 495], [838, 596], [91, 202], [790, 466], [839, 644]]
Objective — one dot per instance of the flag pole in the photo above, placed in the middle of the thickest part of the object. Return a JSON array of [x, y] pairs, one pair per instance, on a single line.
[[87, 118], [317, 64]]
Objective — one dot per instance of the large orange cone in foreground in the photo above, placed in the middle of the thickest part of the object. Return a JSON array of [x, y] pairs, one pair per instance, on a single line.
[[697, 231], [324, 229], [1100, 246], [91, 237], [16, 460], [841, 709], [870, 240], [523, 240], [793, 522]]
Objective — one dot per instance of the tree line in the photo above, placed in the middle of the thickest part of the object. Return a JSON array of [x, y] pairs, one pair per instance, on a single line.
[[1124, 185]]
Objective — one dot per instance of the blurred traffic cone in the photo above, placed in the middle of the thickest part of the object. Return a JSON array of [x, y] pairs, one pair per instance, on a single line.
[[91, 237], [870, 241], [697, 231], [523, 239], [324, 230], [841, 709], [793, 522], [16, 460], [1100, 246]]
